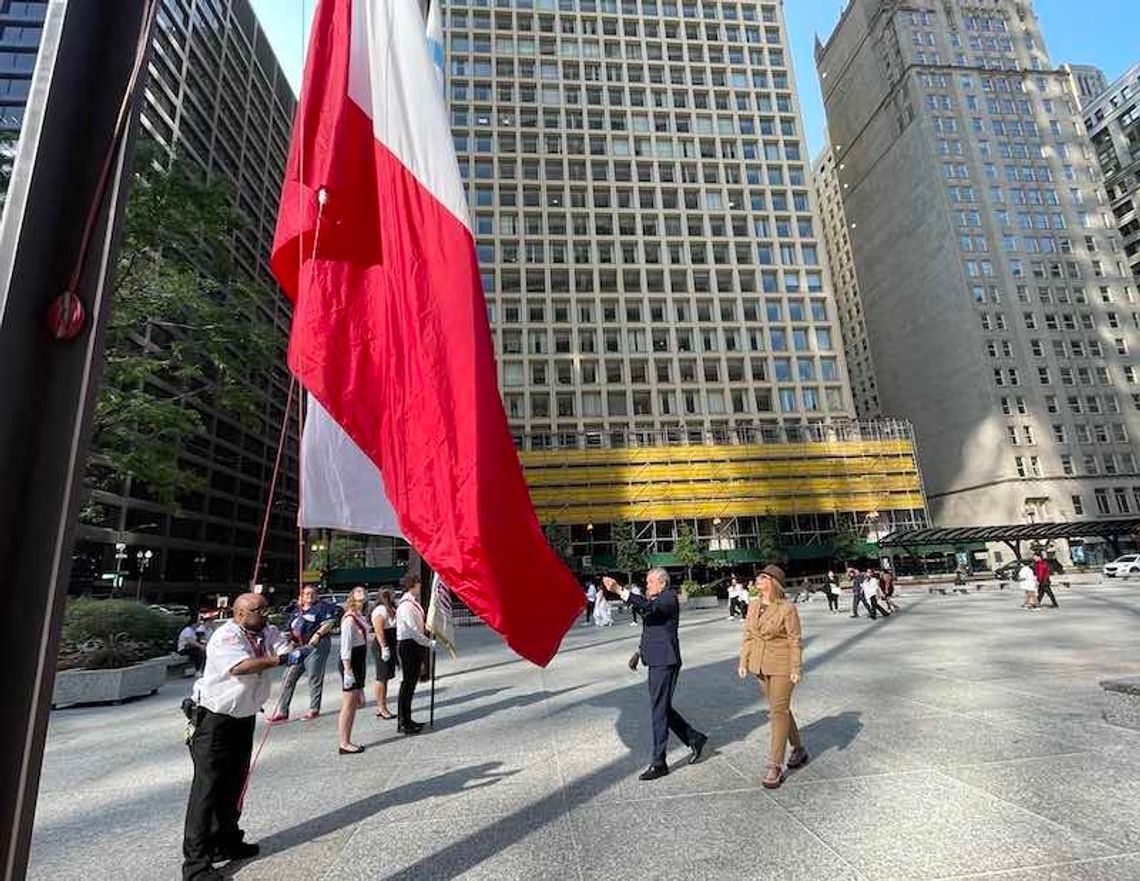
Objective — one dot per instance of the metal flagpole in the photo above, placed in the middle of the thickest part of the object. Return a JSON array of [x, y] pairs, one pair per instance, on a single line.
[[431, 714]]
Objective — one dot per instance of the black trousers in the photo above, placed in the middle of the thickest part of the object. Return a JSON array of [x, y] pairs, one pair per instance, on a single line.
[[1044, 588], [662, 684], [220, 749], [856, 598], [833, 601], [877, 610], [412, 659], [738, 607]]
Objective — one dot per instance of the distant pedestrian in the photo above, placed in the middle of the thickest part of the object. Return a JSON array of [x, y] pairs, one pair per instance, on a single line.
[[833, 591], [226, 700], [737, 599], [413, 646], [603, 614], [191, 645], [771, 650], [633, 613], [661, 653], [1044, 577], [887, 591], [354, 639], [310, 624], [1028, 581], [857, 579], [871, 591], [384, 649], [591, 596]]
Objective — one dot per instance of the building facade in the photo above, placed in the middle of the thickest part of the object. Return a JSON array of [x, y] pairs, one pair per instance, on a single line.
[[1089, 82], [21, 25], [1113, 123], [216, 96], [841, 263], [650, 251], [1002, 318]]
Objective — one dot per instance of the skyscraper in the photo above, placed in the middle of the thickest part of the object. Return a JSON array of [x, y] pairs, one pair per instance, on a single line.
[[841, 261], [1088, 81], [1002, 319], [21, 25], [1113, 122], [644, 222]]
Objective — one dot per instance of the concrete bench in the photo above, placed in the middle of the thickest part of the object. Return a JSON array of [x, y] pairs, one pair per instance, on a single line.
[[178, 665], [1123, 704]]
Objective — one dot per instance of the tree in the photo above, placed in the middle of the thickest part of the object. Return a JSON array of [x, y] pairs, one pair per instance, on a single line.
[[629, 555], [189, 331], [769, 544], [846, 545], [558, 537], [688, 551]]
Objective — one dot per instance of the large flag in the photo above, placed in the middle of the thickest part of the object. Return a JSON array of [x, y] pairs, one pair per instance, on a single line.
[[439, 620], [390, 331]]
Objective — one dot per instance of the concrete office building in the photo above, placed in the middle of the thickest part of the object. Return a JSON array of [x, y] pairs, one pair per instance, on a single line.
[[1089, 82], [1113, 123], [841, 262], [215, 95], [21, 25], [651, 255], [1002, 318]]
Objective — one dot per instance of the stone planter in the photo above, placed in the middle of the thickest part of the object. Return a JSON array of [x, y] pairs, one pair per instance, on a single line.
[[702, 602], [108, 686]]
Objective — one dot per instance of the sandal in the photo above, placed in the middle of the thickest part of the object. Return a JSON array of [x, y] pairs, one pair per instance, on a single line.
[[353, 751], [380, 715], [774, 778]]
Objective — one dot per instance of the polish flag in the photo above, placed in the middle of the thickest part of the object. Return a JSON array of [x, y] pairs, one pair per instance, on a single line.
[[390, 333]]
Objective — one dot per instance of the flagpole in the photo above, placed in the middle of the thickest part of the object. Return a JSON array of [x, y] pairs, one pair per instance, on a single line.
[[431, 713]]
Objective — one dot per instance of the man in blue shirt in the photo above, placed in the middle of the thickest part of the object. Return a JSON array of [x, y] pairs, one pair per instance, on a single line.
[[311, 620]]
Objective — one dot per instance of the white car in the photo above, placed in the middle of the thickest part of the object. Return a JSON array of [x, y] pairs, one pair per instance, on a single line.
[[1129, 564]]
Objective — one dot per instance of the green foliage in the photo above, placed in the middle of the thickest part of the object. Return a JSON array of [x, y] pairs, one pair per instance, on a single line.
[[769, 543], [558, 537], [186, 330], [688, 551], [846, 545], [694, 589], [103, 634], [630, 557]]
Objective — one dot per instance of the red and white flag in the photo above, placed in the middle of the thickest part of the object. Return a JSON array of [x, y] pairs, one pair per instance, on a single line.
[[390, 331]]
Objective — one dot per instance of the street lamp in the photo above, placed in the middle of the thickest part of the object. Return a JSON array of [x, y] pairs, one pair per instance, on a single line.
[[143, 558]]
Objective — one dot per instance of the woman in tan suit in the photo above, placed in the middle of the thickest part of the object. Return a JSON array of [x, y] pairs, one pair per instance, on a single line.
[[771, 652]]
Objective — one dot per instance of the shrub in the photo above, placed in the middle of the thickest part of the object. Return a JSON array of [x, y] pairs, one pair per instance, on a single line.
[[103, 634], [693, 589]]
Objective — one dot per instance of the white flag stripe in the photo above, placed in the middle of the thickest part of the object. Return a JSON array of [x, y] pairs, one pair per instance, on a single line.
[[340, 487], [392, 79]]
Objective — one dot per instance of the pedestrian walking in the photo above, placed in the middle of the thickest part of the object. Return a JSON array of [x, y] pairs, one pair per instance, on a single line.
[[1028, 580], [871, 591], [384, 649], [737, 599], [603, 614], [191, 645], [591, 595], [412, 646], [833, 591], [887, 589], [661, 653], [633, 613], [771, 650], [354, 639], [857, 596], [310, 624], [225, 703], [1044, 577]]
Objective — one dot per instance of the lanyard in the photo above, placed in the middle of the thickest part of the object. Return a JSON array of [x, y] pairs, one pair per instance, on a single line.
[[256, 646]]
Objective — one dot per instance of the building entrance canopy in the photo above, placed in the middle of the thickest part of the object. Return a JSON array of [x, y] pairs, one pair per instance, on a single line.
[[1073, 529]]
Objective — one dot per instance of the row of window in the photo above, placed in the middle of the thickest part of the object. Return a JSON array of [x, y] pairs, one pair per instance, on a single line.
[[779, 339], [650, 253], [652, 281], [661, 311], [1067, 376], [709, 10], [1062, 349], [669, 403], [640, 372], [1083, 434]]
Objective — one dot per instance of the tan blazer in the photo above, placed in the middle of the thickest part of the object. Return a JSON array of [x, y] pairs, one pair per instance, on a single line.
[[771, 644]]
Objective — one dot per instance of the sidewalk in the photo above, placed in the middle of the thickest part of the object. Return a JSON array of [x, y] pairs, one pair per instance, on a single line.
[[961, 738]]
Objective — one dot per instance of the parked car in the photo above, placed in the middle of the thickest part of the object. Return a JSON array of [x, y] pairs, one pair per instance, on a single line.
[[1129, 564], [1009, 571]]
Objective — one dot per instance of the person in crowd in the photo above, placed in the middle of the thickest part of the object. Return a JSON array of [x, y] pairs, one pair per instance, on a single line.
[[190, 643], [857, 579], [384, 649], [412, 646], [1044, 577], [661, 653], [354, 639], [771, 650], [871, 591], [591, 595], [310, 624], [737, 599], [887, 591], [833, 591], [1029, 585], [603, 614], [224, 708], [634, 588]]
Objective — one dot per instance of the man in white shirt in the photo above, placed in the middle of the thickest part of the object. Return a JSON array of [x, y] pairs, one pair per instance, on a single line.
[[871, 595], [1028, 579], [228, 696], [412, 646], [190, 644]]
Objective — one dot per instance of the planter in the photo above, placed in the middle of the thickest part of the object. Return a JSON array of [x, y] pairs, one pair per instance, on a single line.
[[710, 602], [108, 686]]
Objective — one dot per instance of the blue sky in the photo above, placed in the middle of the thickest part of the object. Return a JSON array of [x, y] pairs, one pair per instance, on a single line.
[[1105, 37]]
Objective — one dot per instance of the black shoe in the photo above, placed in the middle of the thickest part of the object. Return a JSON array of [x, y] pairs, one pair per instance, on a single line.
[[653, 772], [695, 748], [410, 728], [634, 660], [243, 850], [355, 751]]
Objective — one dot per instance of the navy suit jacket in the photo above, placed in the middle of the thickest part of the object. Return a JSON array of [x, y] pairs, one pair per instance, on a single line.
[[660, 646]]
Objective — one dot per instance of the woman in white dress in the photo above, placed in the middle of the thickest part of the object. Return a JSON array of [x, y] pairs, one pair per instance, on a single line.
[[603, 615]]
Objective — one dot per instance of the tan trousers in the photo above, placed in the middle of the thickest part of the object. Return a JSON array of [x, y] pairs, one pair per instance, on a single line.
[[778, 691]]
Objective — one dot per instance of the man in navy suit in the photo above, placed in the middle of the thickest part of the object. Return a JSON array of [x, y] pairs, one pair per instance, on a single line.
[[661, 653]]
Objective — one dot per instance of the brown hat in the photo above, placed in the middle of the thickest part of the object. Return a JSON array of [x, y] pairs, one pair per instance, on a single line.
[[775, 573]]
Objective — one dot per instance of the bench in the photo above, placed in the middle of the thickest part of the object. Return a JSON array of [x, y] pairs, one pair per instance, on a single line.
[[1123, 702]]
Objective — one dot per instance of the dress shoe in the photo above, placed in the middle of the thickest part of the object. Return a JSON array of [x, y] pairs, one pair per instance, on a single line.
[[774, 778], [634, 660], [653, 772], [243, 850], [410, 728], [798, 758], [695, 748]]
